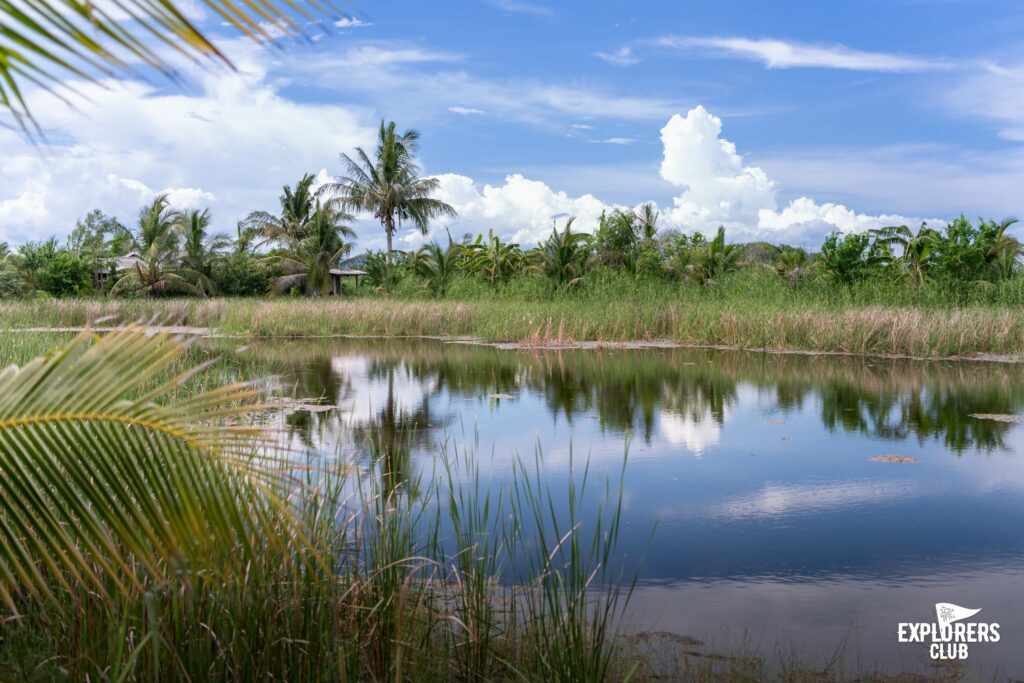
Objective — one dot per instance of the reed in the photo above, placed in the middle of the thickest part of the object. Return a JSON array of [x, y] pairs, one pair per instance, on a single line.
[[740, 322], [381, 578]]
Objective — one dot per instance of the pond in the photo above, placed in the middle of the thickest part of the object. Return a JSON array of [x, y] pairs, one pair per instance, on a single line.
[[776, 525]]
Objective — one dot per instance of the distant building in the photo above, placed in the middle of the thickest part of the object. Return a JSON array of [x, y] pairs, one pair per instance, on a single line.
[[122, 264], [338, 273]]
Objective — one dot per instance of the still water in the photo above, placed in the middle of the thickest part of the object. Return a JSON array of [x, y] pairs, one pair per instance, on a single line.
[[775, 529]]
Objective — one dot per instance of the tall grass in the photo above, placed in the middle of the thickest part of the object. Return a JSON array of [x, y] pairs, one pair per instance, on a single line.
[[749, 311], [395, 580]]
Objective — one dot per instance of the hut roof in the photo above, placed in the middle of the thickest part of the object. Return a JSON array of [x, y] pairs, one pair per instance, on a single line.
[[129, 260], [347, 272], [126, 262]]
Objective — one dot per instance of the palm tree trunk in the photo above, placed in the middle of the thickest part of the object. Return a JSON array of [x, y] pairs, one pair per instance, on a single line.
[[389, 228]]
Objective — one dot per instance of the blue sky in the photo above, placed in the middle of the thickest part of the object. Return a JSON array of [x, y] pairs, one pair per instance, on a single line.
[[781, 120]]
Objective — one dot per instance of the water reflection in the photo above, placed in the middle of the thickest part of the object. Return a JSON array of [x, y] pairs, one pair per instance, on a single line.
[[686, 394], [756, 467]]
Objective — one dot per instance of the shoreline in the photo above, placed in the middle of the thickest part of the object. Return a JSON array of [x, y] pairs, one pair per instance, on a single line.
[[976, 333], [584, 345]]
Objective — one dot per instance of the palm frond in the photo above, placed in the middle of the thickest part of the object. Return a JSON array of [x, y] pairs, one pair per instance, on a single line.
[[46, 39], [286, 283], [103, 480]]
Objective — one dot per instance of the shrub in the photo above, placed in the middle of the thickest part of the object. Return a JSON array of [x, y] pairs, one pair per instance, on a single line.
[[11, 284], [241, 275], [65, 274]]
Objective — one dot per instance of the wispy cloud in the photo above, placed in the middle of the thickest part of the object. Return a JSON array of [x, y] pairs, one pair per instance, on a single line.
[[352, 22], [614, 141], [581, 126], [382, 71], [466, 111], [994, 92], [622, 57], [519, 7], [367, 56], [781, 54]]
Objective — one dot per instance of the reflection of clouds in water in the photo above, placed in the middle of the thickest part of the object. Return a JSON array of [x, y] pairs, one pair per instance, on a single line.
[[1000, 470], [773, 501], [777, 500], [814, 618], [755, 395], [696, 434], [354, 366], [371, 392]]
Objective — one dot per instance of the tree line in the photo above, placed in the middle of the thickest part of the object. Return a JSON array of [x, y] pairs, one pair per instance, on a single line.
[[170, 252]]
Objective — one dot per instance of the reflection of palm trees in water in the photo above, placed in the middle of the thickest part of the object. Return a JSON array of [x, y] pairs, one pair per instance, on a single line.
[[314, 380], [394, 431], [627, 389], [699, 398], [922, 413]]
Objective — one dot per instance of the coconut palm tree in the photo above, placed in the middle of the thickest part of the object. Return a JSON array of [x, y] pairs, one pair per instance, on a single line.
[[916, 250], [307, 262], [438, 264], [389, 186], [648, 218], [563, 255], [1005, 250], [247, 240], [713, 260], [296, 210], [102, 491], [198, 249], [495, 261], [157, 271], [48, 39]]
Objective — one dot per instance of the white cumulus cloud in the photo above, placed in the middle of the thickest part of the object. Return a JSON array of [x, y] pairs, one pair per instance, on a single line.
[[231, 144], [520, 209], [716, 187]]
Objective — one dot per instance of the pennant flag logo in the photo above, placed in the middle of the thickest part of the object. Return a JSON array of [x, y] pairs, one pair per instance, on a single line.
[[947, 613]]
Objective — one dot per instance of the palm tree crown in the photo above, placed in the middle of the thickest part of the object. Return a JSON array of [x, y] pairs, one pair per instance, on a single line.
[[563, 254], [296, 209], [308, 259], [199, 249], [389, 186], [159, 270]]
